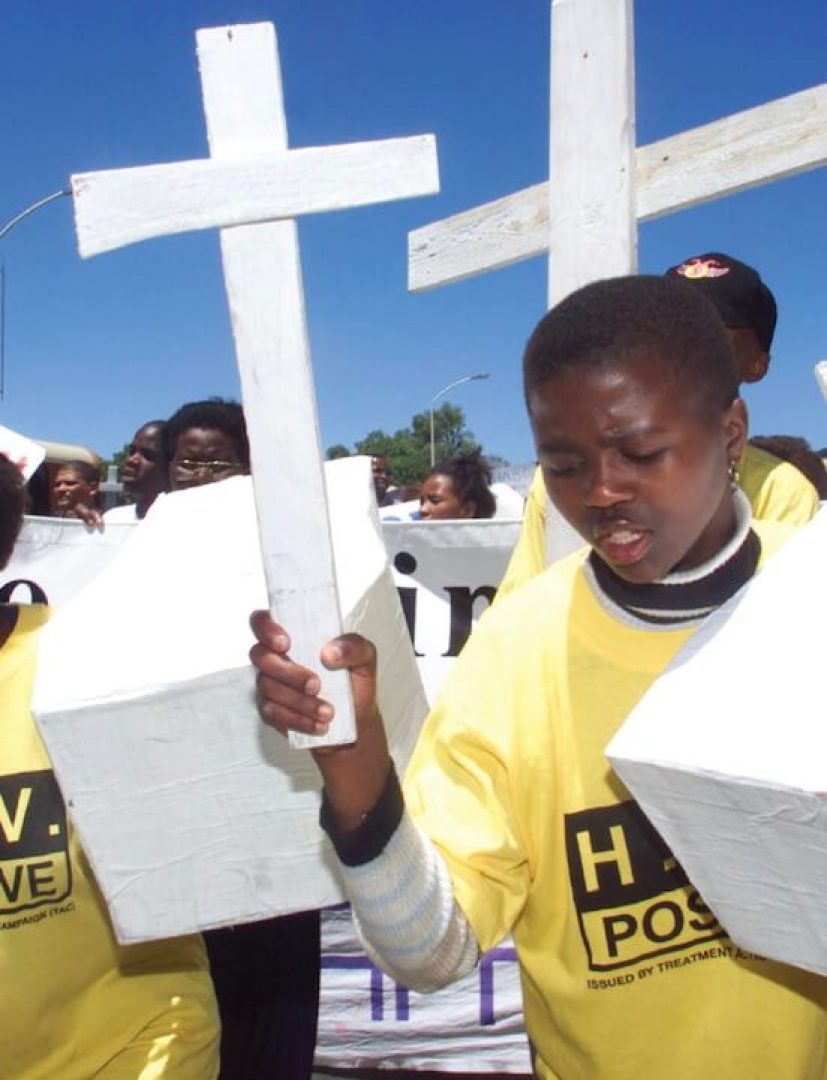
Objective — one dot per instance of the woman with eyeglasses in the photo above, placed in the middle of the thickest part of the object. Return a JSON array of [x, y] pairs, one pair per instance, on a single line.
[[206, 441]]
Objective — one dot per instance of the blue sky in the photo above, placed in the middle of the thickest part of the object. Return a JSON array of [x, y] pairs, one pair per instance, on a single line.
[[96, 347]]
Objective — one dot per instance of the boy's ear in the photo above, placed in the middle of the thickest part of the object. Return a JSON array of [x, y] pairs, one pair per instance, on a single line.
[[754, 368], [736, 428]]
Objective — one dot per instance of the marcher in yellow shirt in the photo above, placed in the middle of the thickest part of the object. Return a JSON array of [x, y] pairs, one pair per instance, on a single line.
[[512, 820], [74, 1004]]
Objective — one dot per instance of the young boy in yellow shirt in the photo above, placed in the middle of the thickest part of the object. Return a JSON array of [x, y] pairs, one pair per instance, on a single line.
[[512, 820]]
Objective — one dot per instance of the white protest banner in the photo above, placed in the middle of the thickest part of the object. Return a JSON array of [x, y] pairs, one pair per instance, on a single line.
[[368, 1021], [55, 558], [192, 812], [447, 573]]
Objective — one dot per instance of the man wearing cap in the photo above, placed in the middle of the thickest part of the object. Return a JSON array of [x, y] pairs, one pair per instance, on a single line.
[[744, 302], [777, 490]]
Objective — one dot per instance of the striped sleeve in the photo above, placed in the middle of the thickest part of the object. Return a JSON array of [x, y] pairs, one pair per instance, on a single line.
[[402, 899]]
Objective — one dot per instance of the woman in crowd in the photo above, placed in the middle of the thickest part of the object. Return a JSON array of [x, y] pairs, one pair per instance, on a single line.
[[458, 488]]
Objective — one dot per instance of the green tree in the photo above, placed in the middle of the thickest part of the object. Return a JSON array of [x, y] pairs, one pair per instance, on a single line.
[[408, 450], [337, 451]]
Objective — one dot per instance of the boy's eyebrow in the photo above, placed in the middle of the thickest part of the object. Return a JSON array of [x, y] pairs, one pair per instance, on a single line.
[[611, 438]]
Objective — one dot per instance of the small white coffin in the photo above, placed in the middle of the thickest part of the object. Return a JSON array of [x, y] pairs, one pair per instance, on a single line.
[[192, 812], [727, 755]]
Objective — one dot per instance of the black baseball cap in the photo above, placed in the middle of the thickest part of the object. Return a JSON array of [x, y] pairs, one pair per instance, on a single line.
[[736, 290]]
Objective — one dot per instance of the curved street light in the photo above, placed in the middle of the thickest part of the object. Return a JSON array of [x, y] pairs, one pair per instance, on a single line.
[[9, 225], [6, 228], [444, 390]]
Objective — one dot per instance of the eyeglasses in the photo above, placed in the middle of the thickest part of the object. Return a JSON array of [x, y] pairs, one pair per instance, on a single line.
[[187, 465]]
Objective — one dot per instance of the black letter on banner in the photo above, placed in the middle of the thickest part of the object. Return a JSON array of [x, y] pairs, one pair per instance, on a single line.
[[405, 563], [407, 598], [36, 594], [462, 612]]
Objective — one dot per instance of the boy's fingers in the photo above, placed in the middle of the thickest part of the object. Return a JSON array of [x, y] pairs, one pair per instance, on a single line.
[[287, 692], [289, 708], [268, 632], [293, 698], [352, 652], [277, 670], [285, 719]]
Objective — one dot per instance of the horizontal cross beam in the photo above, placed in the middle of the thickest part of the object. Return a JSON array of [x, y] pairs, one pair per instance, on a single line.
[[124, 206], [769, 142]]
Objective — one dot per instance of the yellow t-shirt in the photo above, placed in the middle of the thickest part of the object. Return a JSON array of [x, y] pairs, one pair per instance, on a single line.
[[777, 491], [74, 1004], [626, 974]]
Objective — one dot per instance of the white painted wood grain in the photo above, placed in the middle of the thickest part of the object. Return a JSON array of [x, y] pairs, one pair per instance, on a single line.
[[745, 150], [262, 275], [124, 206], [487, 237], [742, 151], [591, 199]]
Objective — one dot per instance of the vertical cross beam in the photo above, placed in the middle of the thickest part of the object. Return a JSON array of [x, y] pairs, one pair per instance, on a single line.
[[592, 143], [243, 105]]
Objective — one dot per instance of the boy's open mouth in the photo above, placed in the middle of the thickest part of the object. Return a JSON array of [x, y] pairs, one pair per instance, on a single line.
[[623, 544]]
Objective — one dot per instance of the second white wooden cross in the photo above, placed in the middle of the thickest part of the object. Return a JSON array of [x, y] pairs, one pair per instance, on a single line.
[[585, 218], [251, 187], [601, 185]]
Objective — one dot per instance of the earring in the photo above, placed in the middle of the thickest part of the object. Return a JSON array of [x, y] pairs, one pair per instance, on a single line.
[[734, 475]]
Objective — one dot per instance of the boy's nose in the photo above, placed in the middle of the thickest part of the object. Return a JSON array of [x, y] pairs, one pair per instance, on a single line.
[[604, 486]]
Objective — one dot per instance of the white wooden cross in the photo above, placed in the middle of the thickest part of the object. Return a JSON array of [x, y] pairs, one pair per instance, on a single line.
[[585, 218], [601, 185], [251, 188]]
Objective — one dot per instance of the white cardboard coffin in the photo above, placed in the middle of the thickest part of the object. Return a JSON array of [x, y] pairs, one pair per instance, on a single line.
[[727, 755], [192, 812]]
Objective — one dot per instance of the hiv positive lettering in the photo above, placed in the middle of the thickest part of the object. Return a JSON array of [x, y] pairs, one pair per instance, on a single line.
[[34, 858], [633, 899]]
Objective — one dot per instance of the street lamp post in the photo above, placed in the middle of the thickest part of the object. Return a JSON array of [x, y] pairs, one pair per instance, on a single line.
[[439, 393]]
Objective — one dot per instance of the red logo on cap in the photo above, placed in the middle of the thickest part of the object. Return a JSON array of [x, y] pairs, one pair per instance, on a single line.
[[701, 268]]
